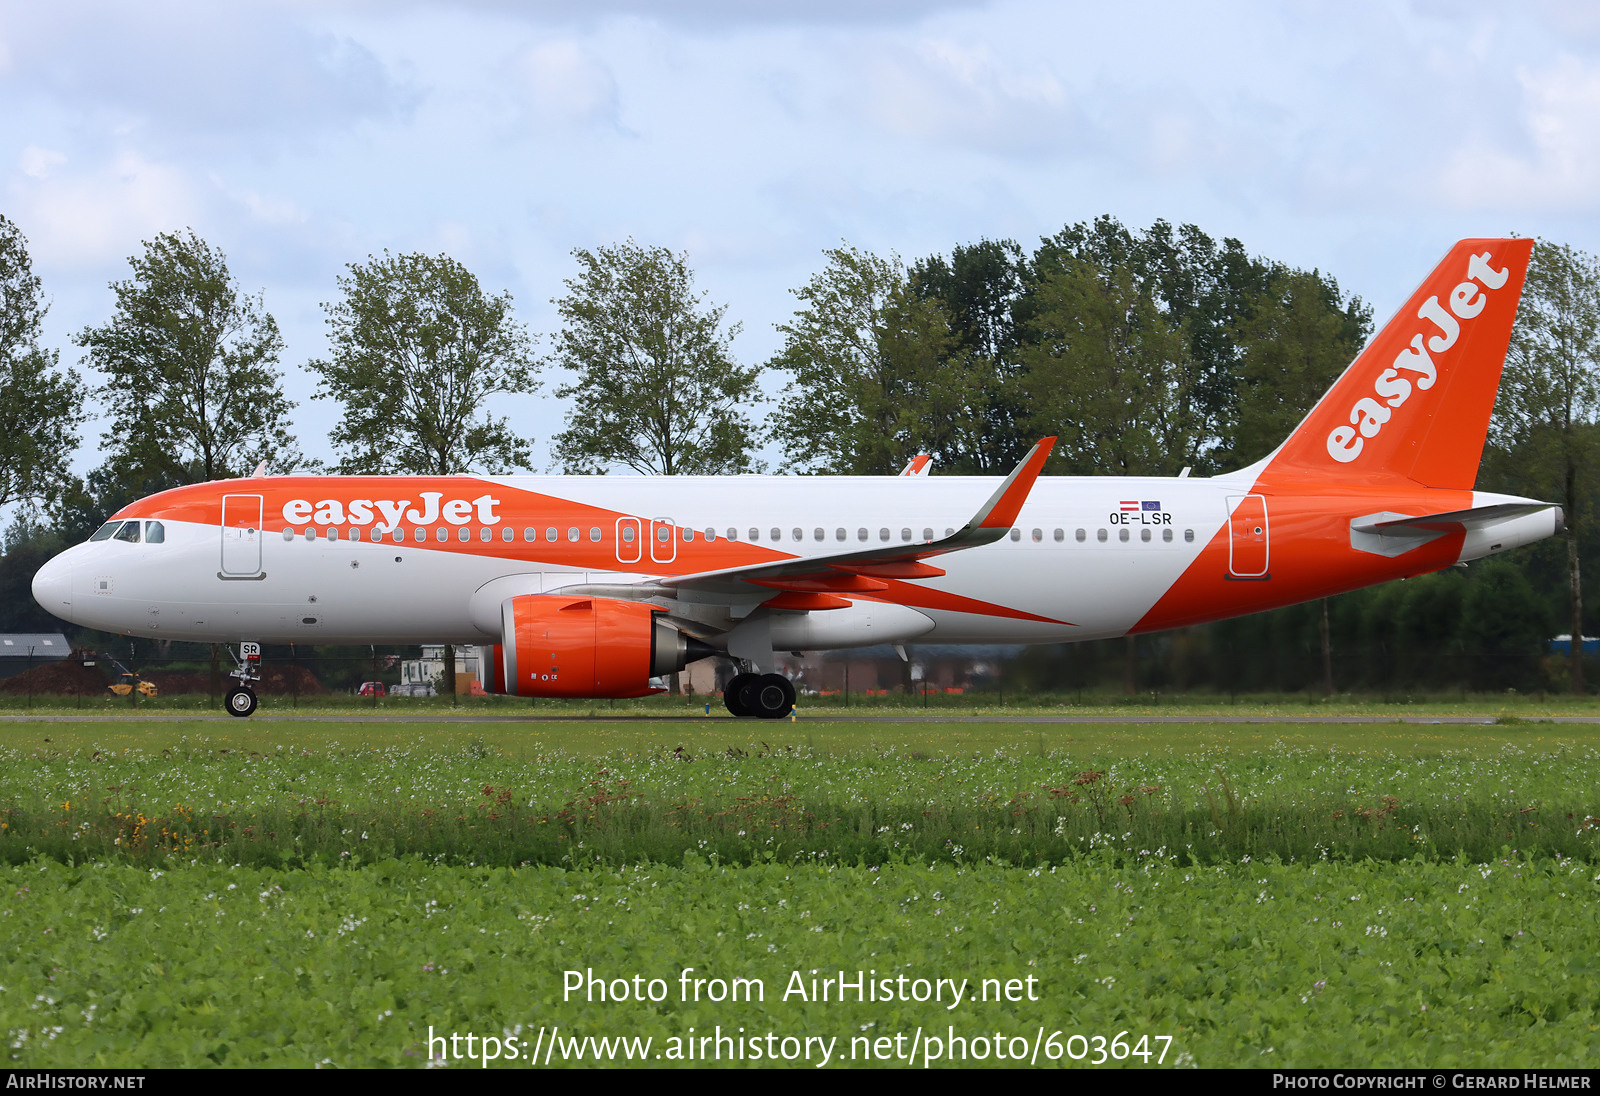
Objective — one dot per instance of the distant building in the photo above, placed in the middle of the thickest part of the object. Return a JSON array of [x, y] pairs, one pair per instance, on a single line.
[[1562, 644], [20, 650], [429, 669]]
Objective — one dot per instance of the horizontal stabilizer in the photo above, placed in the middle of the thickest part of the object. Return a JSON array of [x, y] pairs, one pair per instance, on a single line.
[[1391, 534]]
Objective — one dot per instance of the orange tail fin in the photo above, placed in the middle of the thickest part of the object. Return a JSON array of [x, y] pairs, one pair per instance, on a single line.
[[1415, 403]]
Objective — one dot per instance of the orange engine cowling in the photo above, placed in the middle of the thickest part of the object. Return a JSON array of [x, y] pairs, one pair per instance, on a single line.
[[552, 645]]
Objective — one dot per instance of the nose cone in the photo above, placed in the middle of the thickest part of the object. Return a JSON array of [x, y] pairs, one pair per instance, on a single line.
[[52, 587]]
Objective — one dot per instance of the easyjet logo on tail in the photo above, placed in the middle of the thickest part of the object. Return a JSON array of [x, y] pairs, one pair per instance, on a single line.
[[1414, 366]]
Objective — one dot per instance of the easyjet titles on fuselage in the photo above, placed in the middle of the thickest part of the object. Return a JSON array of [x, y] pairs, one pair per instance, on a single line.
[[392, 511], [1368, 415]]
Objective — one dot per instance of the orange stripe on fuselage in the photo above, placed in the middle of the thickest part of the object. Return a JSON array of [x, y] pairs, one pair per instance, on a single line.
[[514, 508], [1311, 557]]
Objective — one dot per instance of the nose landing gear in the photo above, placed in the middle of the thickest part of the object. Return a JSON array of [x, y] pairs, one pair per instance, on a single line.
[[763, 696], [241, 699]]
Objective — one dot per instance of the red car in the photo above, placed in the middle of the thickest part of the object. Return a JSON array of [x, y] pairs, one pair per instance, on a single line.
[[371, 688]]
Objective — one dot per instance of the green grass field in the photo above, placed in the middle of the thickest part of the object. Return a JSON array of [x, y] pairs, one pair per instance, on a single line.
[[180, 893]]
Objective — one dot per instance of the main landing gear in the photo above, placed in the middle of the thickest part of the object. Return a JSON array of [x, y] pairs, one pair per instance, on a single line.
[[241, 699], [765, 696]]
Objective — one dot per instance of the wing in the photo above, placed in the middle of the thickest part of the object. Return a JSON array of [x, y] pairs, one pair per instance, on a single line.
[[816, 582]]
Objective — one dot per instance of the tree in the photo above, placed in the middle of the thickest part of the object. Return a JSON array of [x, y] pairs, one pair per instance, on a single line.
[[1542, 432], [1296, 339], [40, 407], [875, 372], [1107, 371], [657, 389], [417, 351], [979, 287], [189, 366]]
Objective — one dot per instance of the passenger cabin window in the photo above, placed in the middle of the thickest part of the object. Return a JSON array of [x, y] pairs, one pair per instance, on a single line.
[[905, 535], [883, 534], [711, 534], [927, 534], [333, 534], [733, 534], [464, 534], [508, 534], [1100, 535], [1038, 535], [550, 534], [1122, 535], [129, 532], [441, 534], [799, 535], [106, 531], [1144, 535], [573, 534], [1166, 534], [755, 534], [594, 534], [818, 533], [688, 534], [861, 534], [530, 534], [355, 534], [838, 534], [1188, 535], [486, 534], [1061, 535], [1016, 534], [155, 533], [777, 534], [1081, 535], [288, 534]]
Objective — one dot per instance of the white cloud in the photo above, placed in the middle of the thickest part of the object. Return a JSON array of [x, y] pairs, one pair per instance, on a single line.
[[947, 91], [90, 219], [1552, 163], [566, 85], [37, 163]]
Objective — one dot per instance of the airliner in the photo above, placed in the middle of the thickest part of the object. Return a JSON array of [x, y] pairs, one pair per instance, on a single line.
[[591, 586]]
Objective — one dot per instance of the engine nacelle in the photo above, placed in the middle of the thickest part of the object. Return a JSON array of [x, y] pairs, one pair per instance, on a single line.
[[554, 645]]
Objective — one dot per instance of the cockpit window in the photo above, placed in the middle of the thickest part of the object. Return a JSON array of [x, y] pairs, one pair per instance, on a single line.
[[105, 531], [129, 532], [155, 533]]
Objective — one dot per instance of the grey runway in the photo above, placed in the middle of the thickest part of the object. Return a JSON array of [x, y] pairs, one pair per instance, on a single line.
[[802, 717]]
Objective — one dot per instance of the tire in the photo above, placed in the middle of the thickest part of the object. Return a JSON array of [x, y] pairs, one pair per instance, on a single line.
[[770, 697], [240, 701], [732, 695]]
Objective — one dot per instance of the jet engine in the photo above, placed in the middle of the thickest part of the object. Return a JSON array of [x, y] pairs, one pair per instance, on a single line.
[[553, 645]]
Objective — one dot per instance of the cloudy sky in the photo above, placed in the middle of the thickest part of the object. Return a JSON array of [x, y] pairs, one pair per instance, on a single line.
[[1361, 138]]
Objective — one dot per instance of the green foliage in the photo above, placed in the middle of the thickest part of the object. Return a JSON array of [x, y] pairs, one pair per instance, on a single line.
[[979, 288], [872, 381], [418, 350], [189, 366], [657, 389], [40, 407], [1295, 341], [1373, 942], [1108, 371], [1543, 438]]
